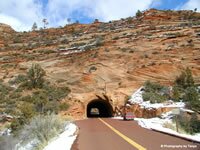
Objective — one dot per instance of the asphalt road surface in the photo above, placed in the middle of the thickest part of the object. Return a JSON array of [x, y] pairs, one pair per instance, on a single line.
[[112, 134]]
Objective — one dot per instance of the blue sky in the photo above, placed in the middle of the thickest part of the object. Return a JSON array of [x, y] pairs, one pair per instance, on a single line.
[[22, 14], [171, 4]]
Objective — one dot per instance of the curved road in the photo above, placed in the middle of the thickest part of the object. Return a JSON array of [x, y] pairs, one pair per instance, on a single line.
[[112, 134]]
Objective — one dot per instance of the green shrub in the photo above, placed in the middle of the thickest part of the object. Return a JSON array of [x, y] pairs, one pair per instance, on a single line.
[[129, 20], [43, 99], [16, 125], [153, 97], [195, 124], [5, 66], [47, 99], [63, 106], [151, 86], [17, 40], [4, 90], [14, 95], [155, 93], [27, 111], [99, 41], [29, 57], [52, 107], [190, 125], [56, 93], [19, 79]]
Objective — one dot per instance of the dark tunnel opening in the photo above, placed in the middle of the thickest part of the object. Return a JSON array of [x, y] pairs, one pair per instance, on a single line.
[[99, 108]]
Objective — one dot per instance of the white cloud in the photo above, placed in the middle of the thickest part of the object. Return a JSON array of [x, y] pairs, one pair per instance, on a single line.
[[21, 15], [10, 20], [116, 9], [191, 5], [103, 10]]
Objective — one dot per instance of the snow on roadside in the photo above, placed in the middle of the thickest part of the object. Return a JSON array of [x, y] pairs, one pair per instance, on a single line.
[[65, 139], [157, 124], [118, 118]]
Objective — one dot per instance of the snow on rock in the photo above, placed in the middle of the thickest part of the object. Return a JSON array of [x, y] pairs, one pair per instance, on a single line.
[[65, 140], [147, 104], [136, 98], [167, 115]]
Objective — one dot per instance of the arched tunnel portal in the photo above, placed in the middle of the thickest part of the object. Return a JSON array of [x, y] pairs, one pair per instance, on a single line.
[[99, 108]]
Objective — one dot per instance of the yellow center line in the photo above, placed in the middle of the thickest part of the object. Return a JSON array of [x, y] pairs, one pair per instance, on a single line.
[[127, 139]]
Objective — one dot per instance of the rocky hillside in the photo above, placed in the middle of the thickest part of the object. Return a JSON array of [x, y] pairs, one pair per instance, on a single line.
[[115, 57]]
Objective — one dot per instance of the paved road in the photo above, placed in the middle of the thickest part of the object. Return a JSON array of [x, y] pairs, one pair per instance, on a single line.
[[111, 134]]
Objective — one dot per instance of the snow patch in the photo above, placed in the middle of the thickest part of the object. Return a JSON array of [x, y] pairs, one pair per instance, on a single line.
[[65, 140]]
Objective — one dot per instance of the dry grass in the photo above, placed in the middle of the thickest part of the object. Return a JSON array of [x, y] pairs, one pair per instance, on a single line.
[[40, 130], [172, 126]]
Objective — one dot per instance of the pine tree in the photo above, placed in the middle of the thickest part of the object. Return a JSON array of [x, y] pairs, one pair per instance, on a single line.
[[189, 78], [35, 76], [185, 80], [138, 14], [185, 89], [176, 93], [192, 97], [180, 80]]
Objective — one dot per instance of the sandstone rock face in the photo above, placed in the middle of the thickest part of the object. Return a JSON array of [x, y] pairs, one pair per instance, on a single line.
[[141, 112], [115, 58], [5, 28]]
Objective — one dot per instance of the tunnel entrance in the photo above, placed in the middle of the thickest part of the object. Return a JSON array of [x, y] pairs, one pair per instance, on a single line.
[[99, 108]]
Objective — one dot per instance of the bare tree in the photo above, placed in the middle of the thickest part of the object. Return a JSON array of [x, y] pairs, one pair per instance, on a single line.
[[45, 23]]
